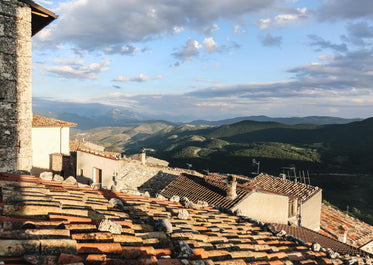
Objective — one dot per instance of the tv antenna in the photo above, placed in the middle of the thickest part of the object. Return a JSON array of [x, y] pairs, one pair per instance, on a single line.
[[257, 165], [290, 172]]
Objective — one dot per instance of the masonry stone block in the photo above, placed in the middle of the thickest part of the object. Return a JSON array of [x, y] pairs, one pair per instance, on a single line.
[[15, 89]]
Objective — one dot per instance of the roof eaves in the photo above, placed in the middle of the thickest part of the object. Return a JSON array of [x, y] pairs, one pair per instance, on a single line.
[[41, 17]]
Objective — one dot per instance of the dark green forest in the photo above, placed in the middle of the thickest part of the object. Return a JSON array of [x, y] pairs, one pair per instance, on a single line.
[[338, 158]]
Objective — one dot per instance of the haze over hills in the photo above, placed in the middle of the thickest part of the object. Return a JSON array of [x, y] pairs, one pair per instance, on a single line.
[[317, 120], [93, 115]]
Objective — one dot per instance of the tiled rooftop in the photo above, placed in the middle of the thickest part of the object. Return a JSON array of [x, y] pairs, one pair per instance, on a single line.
[[84, 147], [283, 186], [41, 121], [308, 235], [46, 222], [210, 190], [333, 222]]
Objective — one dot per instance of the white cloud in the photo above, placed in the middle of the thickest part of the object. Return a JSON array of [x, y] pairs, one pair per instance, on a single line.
[[238, 29], [44, 2], [97, 24], [211, 30], [190, 50], [293, 16], [333, 10], [177, 29], [269, 41], [140, 78], [210, 44], [123, 50], [75, 69]]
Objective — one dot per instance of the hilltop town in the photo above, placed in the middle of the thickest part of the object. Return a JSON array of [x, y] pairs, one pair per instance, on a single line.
[[72, 202]]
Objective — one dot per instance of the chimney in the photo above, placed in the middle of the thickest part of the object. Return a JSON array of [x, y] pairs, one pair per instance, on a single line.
[[342, 233], [231, 187], [143, 156]]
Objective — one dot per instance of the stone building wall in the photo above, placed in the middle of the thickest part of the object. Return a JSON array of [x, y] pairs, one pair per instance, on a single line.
[[151, 178], [15, 86]]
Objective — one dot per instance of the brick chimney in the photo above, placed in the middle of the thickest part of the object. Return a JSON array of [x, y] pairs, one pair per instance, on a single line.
[[231, 187]]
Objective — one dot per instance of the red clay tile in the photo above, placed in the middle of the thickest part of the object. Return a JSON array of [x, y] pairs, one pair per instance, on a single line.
[[232, 262], [95, 258], [99, 236], [69, 259], [137, 252], [71, 219], [169, 262], [127, 239], [200, 253], [275, 262], [96, 248], [163, 252], [128, 224]]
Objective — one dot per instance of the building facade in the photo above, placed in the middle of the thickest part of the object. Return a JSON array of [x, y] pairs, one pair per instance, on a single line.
[[49, 136], [20, 20]]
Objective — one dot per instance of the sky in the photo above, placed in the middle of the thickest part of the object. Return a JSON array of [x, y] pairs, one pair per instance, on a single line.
[[209, 59]]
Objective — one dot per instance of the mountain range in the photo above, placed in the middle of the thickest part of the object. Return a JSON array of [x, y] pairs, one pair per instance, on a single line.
[[93, 115]]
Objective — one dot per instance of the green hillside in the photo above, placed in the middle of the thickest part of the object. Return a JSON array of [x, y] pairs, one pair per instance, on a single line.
[[231, 148], [338, 157]]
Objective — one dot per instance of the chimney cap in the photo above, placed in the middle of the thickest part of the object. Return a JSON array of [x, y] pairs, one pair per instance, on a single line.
[[231, 178]]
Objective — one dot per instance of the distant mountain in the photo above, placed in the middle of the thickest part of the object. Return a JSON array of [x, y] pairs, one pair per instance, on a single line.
[[230, 148], [86, 115], [316, 120]]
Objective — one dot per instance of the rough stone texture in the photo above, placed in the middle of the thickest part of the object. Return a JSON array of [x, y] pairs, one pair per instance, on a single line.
[[15, 89], [185, 251], [58, 178], [183, 214], [203, 203], [46, 175], [190, 204], [116, 203], [175, 198], [70, 180], [316, 247], [146, 177], [110, 226], [164, 225], [161, 197]]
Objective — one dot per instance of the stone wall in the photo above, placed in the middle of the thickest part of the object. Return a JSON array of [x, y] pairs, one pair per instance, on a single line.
[[15, 86], [149, 178]]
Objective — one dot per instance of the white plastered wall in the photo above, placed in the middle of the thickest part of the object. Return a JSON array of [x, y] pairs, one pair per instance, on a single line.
[[49, 140], [311, 212], [86, 162], [265, 207]]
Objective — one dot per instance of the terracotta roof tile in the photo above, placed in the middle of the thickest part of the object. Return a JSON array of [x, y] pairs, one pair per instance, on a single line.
[[334, 223], [310, 236], [41, 121], [283, 186], [199, 189], [212, 188], [68, 233]]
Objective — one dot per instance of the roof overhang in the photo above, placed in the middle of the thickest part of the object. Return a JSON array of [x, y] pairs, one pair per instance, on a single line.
[[41, 16]]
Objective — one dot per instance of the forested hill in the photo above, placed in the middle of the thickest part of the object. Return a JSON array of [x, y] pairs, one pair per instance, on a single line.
[[230, 148]]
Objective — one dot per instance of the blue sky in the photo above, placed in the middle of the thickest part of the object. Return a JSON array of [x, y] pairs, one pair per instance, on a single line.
[[209, 59]]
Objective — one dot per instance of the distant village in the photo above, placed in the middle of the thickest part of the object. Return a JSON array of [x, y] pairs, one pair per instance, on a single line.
[[65, 201]]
